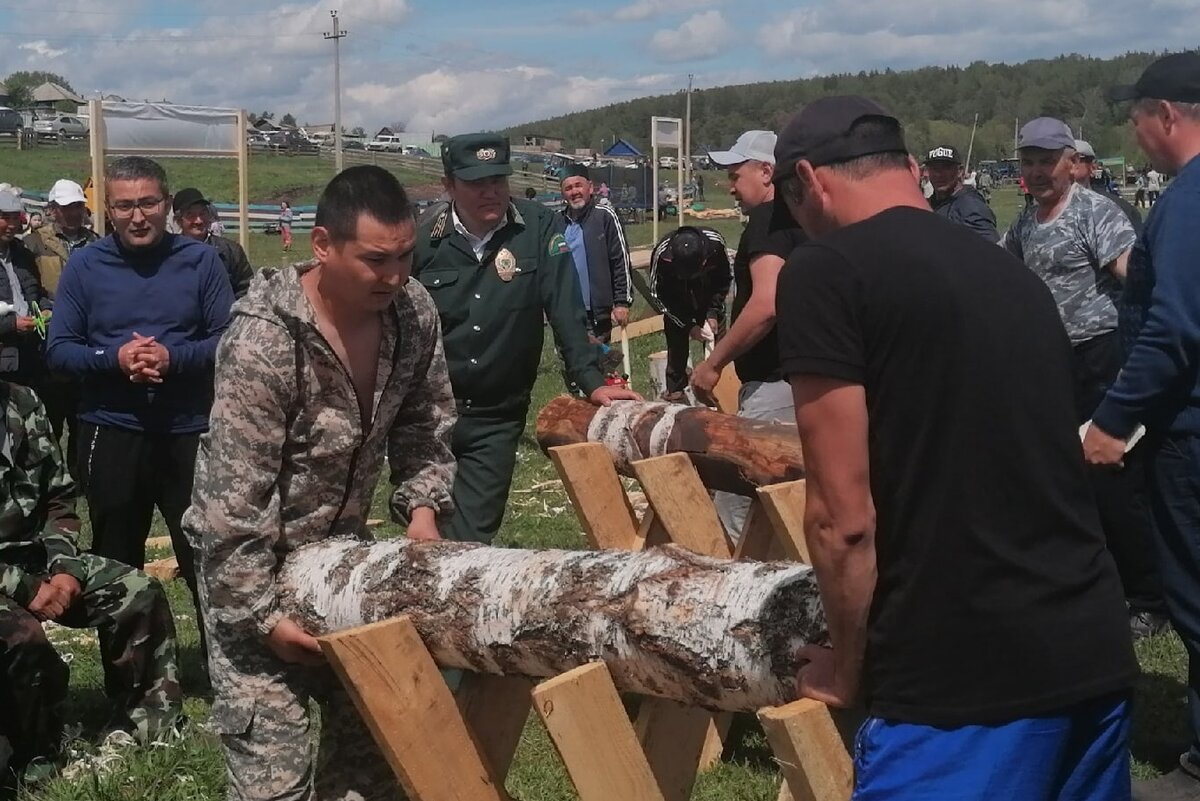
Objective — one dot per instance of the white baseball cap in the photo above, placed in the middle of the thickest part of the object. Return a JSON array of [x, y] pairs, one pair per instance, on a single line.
[[10, 203], [1084, 149], [750, 146], [65, 192]]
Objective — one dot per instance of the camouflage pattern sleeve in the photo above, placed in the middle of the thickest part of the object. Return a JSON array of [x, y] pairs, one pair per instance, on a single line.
[[18, 584], [42, 463], [422, 466], [1111, 232], [235, 514]]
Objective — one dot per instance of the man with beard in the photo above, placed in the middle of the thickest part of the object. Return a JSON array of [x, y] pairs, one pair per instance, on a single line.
[[953, 199], [195, 217], [599, 252]]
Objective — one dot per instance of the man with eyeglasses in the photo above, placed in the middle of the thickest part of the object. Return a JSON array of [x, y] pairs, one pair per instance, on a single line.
[[138, 315], [195, 216]]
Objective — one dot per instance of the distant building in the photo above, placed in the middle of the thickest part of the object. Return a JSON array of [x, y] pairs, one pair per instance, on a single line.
[[51, 95], [5, 100], [536, 143]]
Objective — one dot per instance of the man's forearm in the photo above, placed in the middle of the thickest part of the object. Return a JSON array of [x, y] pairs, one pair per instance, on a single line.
[[747, 331], [843, 557]]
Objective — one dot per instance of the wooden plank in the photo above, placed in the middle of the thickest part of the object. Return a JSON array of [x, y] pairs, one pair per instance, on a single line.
[[648, 325], [587, 722], [674, 738], [785, 507], [809, 749], [243, 168], [759, 540], [727, 389], [411, 712], [163, 569], [651, 532], [714, 739], [495, 709], [682, 503], [596, 492], [96, 145]]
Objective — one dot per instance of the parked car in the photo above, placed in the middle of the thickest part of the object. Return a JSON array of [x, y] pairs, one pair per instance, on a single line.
[[61, 125], [351, 144], [10, 121], [386, 144]]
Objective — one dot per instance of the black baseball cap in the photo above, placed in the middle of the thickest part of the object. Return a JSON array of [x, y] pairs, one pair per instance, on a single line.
[[186, 198], [688, 252], [823, 132], [1175, 77], [945, 153]]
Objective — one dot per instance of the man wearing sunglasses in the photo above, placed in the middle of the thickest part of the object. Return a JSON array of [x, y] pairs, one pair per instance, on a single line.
[[138, 315]]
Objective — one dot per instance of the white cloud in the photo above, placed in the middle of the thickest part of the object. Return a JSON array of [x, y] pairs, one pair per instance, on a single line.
[[448, 101], [41, 49], [701, 36], [828, 36], [647, 9]]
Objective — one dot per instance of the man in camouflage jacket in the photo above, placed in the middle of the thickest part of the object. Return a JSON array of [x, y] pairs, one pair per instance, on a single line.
[[290, 458], [44, 577]]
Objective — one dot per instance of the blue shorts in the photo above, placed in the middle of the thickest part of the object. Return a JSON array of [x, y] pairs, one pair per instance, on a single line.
[[1080, 753]]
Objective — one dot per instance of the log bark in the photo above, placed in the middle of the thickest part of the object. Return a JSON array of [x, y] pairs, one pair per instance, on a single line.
[[667, 622], [730, 453]]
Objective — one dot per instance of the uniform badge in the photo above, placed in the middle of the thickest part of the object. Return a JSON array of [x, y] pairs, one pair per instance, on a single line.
[[485, 153], [506, 265]]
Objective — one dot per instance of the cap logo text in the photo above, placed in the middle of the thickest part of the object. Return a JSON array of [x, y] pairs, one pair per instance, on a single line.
[[941, 153], [485, 153]]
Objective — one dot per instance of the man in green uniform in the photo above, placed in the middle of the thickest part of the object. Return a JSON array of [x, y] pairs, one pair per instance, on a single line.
[[498, 268]]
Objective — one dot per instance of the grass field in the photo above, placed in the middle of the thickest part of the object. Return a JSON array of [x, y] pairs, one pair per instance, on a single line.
[[539, 515]]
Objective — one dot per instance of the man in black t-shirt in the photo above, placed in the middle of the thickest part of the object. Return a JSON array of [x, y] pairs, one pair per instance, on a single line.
[[689, 280], [770, 237], [969, 595]]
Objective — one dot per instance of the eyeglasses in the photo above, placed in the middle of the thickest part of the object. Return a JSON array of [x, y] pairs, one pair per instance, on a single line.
[[124, 208]]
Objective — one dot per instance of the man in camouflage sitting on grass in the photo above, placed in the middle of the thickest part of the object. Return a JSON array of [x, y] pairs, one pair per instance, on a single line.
[[44, 577]]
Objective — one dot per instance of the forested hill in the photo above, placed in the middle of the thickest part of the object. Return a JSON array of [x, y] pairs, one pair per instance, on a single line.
[[937, 105]]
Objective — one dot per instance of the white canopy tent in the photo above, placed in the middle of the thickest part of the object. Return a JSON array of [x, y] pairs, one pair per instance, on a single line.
[[164, 129]]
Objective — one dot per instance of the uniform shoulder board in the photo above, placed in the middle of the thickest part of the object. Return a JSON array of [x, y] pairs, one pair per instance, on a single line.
[[437, 214]]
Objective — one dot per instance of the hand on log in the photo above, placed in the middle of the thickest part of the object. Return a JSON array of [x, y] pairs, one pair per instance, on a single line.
[[294, 645], [667, 622]]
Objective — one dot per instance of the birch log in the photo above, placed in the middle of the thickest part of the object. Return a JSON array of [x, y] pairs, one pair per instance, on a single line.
[[667, 622], [730, 453]]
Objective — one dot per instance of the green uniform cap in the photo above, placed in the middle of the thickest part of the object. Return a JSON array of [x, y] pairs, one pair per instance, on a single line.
[[470, 157]]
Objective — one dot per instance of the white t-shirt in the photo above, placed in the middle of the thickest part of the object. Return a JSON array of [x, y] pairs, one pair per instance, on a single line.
[[1153, 181]]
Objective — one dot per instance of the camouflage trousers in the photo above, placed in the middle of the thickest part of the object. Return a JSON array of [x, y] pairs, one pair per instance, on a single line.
[[261, 712], [137, 649]]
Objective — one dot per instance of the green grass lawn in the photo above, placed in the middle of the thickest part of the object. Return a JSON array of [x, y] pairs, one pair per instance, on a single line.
[[539, 515]]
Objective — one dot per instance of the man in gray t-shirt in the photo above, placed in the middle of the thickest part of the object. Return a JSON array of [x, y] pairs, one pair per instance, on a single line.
[[1078, 241]]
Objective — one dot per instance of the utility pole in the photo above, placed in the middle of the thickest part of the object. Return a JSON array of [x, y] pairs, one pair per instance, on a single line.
[[336, 36], [687, 137]]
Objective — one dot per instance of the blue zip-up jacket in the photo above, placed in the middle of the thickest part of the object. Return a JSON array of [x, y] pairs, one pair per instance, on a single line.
[[1159, 385], [177, 292]]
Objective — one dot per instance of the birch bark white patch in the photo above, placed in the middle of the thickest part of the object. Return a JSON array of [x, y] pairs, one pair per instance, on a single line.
[[667, 622]]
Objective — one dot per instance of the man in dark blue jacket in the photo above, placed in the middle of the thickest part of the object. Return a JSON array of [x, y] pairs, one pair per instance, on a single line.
[[600, 254], [137, 318], [953, 199], [1159, 385]]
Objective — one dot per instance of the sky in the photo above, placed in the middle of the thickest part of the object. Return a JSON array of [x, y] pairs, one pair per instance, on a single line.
[[451, 66]]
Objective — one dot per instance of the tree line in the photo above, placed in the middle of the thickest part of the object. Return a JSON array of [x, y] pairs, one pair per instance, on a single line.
[[938, 105]]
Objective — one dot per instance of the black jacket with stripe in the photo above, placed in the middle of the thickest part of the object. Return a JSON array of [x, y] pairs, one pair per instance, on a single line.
[[607, 255]]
